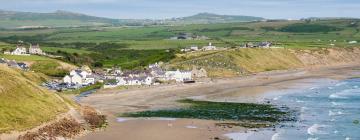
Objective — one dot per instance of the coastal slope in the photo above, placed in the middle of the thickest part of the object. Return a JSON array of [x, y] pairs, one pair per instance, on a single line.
[[237, 62], [23, 104]]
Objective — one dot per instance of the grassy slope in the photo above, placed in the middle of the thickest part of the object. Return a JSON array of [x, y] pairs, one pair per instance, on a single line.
[[236, 62], [48, 66], [23, 104]]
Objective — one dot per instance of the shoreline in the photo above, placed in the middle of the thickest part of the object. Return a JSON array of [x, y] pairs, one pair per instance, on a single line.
[[252, 89]]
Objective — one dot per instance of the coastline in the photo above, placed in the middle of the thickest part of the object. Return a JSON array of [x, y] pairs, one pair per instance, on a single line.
[[254, 88]]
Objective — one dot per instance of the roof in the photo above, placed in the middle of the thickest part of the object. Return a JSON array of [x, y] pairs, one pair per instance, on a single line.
[[34, 47]]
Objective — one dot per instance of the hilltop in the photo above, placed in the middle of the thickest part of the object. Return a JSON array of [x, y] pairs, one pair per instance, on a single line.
[[60, 18], [206, 18], [14, 19]]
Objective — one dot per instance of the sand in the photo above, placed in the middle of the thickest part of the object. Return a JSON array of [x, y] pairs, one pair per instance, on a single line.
[[252, 88]]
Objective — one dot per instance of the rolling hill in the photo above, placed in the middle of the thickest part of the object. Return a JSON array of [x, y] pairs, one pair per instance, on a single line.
[[13, 19], [60, 18], [206, 18]]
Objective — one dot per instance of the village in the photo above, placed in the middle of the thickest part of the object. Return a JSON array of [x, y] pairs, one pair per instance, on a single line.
[[84, 76], [114, 77]]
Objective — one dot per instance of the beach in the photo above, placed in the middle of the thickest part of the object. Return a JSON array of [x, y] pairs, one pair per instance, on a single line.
[[258, 88]]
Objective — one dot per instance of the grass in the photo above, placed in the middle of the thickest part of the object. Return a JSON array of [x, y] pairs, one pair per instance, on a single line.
[[238, 61], [23, 104], [153, 40], [219, 111], [45, 65], [49, 68], [26, 58], [84, 89]]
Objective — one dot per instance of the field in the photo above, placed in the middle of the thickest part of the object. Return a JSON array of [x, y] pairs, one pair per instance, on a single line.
[[95, 43]]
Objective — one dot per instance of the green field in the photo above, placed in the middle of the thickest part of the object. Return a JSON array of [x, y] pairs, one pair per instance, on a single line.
[[94, 42]]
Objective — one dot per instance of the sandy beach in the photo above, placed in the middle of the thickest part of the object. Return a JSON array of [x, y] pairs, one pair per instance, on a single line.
[[251, 88]]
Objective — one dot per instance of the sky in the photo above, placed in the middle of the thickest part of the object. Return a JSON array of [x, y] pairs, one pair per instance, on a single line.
[[158, 9]]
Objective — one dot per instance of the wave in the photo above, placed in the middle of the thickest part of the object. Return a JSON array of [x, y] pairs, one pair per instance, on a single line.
[[340, 84], [337, 96], [316, 129], [345, 94], [312, 138], [331, 113], [275, 136]]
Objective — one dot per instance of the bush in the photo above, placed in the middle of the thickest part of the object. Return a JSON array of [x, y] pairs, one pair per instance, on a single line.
[[308, 28], [50, 68]]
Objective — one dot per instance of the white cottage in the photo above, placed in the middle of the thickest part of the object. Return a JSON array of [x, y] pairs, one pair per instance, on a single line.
[[178, 76], [79, 77], [20, 50], [210, 47]]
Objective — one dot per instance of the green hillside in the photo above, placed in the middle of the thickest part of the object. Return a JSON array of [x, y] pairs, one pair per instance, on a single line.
[[12, 19], [238, 62], [205, 18], [23, 104]]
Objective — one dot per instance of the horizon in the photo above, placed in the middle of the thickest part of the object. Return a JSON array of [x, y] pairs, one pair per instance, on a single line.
[[162, 9]]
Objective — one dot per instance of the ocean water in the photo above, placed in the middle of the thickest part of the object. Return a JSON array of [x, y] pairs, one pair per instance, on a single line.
[[325, 112]]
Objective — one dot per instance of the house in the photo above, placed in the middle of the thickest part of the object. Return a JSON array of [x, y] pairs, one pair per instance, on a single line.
[[7, 52], [80, 77], [210, 47], [352, 42], [194, 48], [35, 49], [198, 73], [20, 50], [265, 44], [178, 76], [191, 48]]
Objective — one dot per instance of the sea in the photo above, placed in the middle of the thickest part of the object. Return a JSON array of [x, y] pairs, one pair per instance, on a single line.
[[325, 109]]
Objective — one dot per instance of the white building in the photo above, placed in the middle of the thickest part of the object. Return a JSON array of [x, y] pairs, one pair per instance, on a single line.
[[79, 77], [178, 76], [210, 47], [134, 81], [352, 42], [19, 51]]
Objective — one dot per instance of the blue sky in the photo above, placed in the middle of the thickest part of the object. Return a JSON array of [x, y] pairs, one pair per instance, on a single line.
[[286, 9]]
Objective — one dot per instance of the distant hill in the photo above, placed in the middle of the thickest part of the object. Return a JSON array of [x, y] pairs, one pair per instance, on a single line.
[[214, 18], [28, 20], [13, 19]]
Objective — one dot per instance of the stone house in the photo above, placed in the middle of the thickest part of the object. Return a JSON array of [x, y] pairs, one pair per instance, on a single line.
[[35, 49], [198, 73]]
